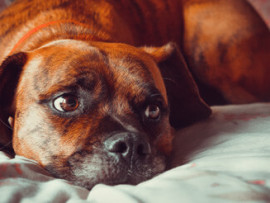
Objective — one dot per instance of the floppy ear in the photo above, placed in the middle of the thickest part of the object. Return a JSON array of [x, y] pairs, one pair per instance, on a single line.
[[186, 105], [10, 71]]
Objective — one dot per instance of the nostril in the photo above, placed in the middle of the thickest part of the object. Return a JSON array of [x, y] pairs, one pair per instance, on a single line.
[[117, 146], [120, 147], [140, 150], [128, 146], [143, 149]]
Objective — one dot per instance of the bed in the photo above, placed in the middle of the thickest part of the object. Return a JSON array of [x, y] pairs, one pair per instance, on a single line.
[[225, 158], [222, 159]]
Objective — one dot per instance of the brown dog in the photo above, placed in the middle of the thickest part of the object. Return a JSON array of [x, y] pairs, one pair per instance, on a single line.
[[91, 109]]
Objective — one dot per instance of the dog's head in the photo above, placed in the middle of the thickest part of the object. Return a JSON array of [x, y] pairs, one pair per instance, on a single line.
[[98, 112]]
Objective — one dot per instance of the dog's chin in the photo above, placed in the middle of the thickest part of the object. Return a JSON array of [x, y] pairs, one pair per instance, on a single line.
[[97, 170], [128, 178], [121, 175]]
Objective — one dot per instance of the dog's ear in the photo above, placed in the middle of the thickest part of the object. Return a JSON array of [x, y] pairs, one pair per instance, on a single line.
[[10, 71], [186, 105]]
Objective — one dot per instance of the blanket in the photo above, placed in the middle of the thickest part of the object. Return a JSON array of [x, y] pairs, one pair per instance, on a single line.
[[222, 159]]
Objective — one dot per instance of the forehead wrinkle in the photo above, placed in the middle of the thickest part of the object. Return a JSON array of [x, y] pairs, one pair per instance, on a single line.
[[138, 72], [133, 67], [64, 72], [129, 74], [157, 79], [67, 53], [89, 84], [117, 110], [125, 124]]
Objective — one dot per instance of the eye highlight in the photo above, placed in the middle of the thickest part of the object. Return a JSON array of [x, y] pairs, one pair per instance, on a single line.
[[66, 103], [152, 112]]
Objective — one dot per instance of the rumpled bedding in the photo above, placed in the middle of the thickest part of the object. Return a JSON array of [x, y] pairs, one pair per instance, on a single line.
[[225, 158]]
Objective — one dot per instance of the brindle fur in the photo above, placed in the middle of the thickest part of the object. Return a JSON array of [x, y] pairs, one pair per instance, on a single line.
[[91, 51]]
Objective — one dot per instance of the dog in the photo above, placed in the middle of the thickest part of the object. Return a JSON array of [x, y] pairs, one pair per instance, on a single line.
[[93, 90]]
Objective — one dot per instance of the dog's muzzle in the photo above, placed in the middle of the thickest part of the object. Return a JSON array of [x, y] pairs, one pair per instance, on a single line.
[[128, 147]]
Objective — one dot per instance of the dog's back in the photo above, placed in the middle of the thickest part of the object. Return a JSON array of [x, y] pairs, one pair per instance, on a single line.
[[136, 22]]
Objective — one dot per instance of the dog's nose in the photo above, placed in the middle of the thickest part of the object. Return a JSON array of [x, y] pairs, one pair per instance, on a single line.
[[130, 146]]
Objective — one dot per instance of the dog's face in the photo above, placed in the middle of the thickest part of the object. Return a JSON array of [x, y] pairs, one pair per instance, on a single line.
[[91, 112]]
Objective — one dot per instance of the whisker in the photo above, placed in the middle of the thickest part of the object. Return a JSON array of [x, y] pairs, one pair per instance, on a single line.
[[169, 80], [5, 146], [8, 126]]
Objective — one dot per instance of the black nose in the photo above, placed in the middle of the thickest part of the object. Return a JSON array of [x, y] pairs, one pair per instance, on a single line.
[[130, 146]]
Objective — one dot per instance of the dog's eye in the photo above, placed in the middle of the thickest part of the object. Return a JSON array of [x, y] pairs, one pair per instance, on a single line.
[[152, 112], [66, 103]]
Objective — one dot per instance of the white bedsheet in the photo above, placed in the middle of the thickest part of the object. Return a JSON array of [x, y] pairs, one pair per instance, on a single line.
[[223, 159]]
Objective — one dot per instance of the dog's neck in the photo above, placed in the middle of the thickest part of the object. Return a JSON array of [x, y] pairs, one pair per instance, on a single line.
[[61, 29]]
